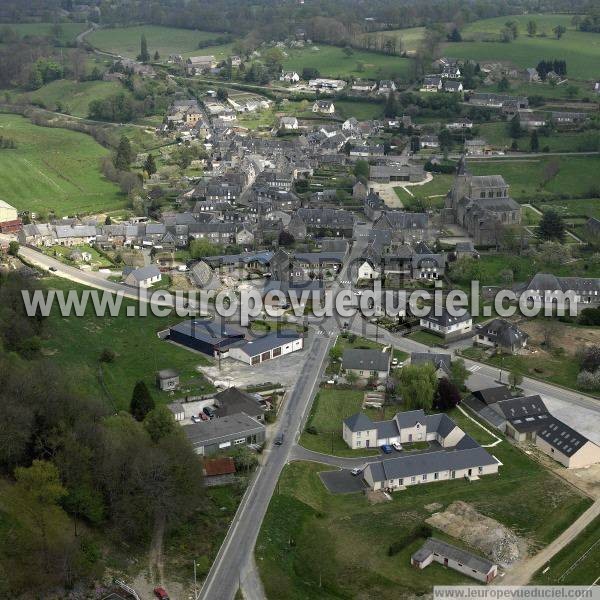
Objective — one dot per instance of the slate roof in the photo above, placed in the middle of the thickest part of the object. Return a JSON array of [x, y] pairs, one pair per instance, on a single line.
[[430, 462], [439, 359], [433, 545], [267, 342], [365, 360], [446, 319], [410, 418], [504, 333], [208, 330], [441, 423], [515, 408], [223, 428], [493, 394], [233, 400], [144, 273], [561, 437], [359, 422]]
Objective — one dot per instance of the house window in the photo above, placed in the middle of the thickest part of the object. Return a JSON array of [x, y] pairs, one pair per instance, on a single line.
[[240, 441], [413, 479], [436, 475], [480, 470], [425, 477]]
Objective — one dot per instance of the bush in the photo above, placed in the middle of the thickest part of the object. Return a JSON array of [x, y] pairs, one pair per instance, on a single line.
[[107, 356], [589, 380], [312, 430]]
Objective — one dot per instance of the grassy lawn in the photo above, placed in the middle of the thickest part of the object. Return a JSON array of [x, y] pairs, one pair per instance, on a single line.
[[589, 207], [429, 195], [68, 34], [424, 337], [564, 571], [331, 61], [54, 169], [530, 216], [167, 40], [330, 407], [72, 97], [309, 534], [363, 111], [98, 261], [576, 175], [581, 50], [561, 369], [139, 352]]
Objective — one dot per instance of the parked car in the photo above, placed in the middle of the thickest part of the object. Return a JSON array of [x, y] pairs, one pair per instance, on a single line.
[[356, 471], [208, 411], [53, 269], [394, 362], [386, 449], [161, 593], [196, 419], [279, 439], [203, 416], [397, 446]]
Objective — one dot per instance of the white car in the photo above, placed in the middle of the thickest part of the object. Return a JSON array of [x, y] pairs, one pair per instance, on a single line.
[[394, 362], [356, 471], [397, 446]]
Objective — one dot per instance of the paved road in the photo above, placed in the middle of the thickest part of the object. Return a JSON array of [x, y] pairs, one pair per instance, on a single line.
[[522, 573]]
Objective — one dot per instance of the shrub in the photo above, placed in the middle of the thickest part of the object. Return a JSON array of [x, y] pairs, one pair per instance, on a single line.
[[107, 356], [312, 430], [589, 380]]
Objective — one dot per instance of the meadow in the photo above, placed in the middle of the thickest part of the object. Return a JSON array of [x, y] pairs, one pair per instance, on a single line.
[[410, 38], [331, 61], [309, 536], [430, 195], [71, 97], [68, 34], [125, 41], [581, 50], [576, 175], [54, 169], [139, 353]]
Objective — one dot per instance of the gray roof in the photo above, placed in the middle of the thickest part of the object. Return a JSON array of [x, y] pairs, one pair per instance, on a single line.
[[430, 462], [493, 394], [386, 429], [562, 437], [439, 359], [167, 374], [446, 319], [221, 429], [410, 418], [520, 408], [144, 273], [233, 401], [441, 423], [267, 342], [487, 413], [366, 360], [504, 333], [209, 330], [359, 422], [433, 545]]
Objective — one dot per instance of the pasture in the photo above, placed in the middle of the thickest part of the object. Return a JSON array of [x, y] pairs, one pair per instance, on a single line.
[[332, 61], [543, 177], [71, 97], [54, 169], [69, 31], [125, 41], [409, 38], [581, 50]]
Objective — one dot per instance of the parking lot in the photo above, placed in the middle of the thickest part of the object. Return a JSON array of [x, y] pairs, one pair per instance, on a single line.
[[342, 482]]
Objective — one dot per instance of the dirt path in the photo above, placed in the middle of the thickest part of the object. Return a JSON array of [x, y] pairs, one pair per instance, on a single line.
[[522, 573], [155, 556]]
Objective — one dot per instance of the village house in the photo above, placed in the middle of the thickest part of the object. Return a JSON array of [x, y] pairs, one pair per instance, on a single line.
[[288, 123], [453, 87], [451, 72], [431, 83], [330, 85], [144, 277], [562, 292], [490, 100], [446, 325], [364, 86], [9, 218], [462, 123], [289, 77], [502, 335], [386, 86], [367, 363], [323, 107], [195, 65], [429, 141]]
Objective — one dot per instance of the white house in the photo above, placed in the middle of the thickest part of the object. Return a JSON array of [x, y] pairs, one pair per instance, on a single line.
[[334, 85], [288, 123], [290, 77], [324, 107], [463, 123], [446, 325], [143, 277]]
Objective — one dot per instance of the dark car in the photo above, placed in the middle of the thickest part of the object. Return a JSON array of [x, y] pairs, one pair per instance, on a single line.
[[279, 439], [208, 411], [53, 269], [161, 593], [386, 449]]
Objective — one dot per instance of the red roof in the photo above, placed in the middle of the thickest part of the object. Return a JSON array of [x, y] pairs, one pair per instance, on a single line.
[[219, 466]]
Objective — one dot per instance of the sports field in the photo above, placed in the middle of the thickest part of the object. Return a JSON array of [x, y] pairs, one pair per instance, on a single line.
[[53, 169], [580, 50], [167, 40]]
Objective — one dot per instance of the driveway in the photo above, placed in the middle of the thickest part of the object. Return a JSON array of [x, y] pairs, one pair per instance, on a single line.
[[342, 482]]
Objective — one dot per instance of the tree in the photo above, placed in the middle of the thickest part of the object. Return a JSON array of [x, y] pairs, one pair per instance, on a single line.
[[459, 373], [531, 28], [391, 106], [534, 142], [222, 94], [551, 227], [445, 140], [455, 36], [13, 248], [503, 85], [150, 165], [159, 423], [559, 31], [124, 154], [156, 56], [244, 459], [361, 169], [348, 51], [141, 401], [417, 385], [447, 395], [514, 128], [513, 27], [515, 378], [335, 353], [143, 56]]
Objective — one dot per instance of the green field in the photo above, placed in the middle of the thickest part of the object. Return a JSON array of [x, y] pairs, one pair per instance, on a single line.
[[577, 175], [139, 352], [310, 536], [69, 30], [570, 566], [125, 41], [409, 38], [427, 338], [429, 195], [72, 97], [331, 61], [363, 111], [580, 207], [580, 50], [54, 169], [496, 134]]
